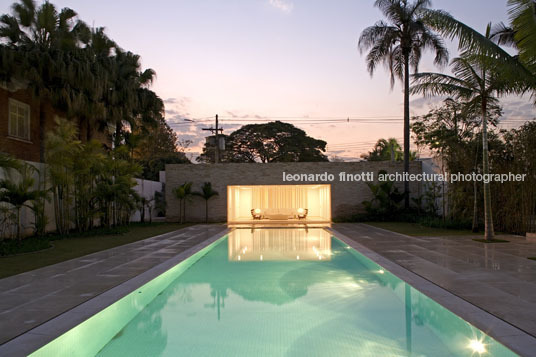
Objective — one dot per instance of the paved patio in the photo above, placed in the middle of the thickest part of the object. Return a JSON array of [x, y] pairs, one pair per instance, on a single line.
[[498, 278], [30, 299]]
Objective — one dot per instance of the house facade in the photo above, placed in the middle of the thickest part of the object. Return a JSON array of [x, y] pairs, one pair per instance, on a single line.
[[21, 117]]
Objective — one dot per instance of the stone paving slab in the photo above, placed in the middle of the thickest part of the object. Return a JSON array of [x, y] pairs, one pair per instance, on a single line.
[[498, 278], [29, 299]]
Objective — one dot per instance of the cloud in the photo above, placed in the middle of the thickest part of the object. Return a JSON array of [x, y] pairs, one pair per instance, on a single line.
[[424, 102], [283, 5]]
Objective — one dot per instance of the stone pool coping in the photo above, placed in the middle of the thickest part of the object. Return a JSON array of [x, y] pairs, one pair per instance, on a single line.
[[510, 336], [41, 335]]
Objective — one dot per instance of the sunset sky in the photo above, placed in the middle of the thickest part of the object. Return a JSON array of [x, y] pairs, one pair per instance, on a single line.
[[259, 60]]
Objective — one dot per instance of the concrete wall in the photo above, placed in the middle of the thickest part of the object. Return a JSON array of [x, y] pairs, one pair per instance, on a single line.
[[147, 189], [346, 197]]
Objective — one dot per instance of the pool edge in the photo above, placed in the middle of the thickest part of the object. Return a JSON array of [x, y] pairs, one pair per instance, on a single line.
[[39, 336], [510, 336]]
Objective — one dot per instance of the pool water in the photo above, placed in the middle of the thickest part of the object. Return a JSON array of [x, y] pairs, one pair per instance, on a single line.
[[293, 292]]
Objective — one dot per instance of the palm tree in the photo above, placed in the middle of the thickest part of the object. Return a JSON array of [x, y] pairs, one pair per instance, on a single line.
[[8, 162], [474, 83], [182, 193], [523, 19], [387, 149], [19, 193], [399, 44], [517, 70], [206, 193]]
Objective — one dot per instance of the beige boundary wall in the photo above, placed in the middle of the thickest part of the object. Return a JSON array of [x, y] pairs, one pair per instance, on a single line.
[[346, 197]]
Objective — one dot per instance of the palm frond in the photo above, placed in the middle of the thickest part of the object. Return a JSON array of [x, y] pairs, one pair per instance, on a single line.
[[468, 38], [435, 84], [523, 17], [503, 35]]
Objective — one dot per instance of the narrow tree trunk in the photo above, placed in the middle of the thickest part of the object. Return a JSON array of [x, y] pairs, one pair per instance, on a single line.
[[18, 223], [475, 208], [206, 211], [488, 218], [42, 121], [117, 139], [406, 129]]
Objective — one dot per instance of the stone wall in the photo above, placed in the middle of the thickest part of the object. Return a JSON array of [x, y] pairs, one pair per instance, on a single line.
[[346, 197]]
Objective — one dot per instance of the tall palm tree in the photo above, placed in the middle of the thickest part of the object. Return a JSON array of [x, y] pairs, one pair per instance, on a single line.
[[474, 83], [207, 192], [399, 44], [517, 70]]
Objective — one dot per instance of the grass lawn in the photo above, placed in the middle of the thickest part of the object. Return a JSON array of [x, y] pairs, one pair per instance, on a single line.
[[65, 249], [416, 230]]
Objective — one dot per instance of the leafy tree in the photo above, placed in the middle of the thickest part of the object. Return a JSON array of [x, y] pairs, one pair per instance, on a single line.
[[451, 133], [387, 150], [270, 142], [157, 147], [86, 163], [114, 189], [61, 149], [475, 84], [386, 199], [399, 44], [206, 193]]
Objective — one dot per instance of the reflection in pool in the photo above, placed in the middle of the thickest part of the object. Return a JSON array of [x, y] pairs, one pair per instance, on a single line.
[[342, 306], [278, 244]]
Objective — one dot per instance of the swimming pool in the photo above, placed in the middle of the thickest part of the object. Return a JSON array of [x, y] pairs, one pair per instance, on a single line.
[[273, 292]]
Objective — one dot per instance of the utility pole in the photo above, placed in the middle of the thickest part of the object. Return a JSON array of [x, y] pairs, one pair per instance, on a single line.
[[216, 130]]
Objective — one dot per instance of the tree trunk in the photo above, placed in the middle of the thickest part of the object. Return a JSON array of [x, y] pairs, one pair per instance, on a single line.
[[18, 223], [41, 131], [117, 139], [488, 218], [406, 130], [475, 208]]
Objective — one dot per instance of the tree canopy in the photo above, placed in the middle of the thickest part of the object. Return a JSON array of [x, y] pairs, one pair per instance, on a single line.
[[271, 142], [86, 77]]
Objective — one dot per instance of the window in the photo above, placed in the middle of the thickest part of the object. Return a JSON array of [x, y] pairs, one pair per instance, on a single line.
[[19, 120]]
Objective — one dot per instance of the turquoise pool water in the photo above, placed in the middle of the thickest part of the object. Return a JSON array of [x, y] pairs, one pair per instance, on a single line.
[[275, 292]]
